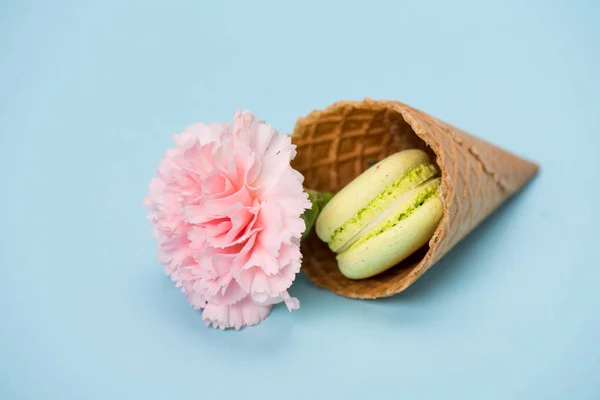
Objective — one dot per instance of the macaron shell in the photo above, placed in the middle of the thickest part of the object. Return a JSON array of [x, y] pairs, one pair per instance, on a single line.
[[358, 193], [389, 248]]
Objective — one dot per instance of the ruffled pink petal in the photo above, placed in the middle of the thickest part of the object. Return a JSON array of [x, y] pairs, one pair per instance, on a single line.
[[275, 162], [244, 123], [198, 158], [173, 252], [230, 294], [261, 258], [291, 303], [197, 300], [217, 228], [243, 313], [217, 183], [289, 253], [214, 208], [270, 220], [197, 237], [263, 286], [203, 133]]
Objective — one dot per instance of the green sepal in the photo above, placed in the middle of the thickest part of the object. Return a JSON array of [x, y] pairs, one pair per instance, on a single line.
[[318, 200]]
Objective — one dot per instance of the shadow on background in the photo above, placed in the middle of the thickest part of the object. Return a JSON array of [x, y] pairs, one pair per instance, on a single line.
[[452, 265], [168, 305]]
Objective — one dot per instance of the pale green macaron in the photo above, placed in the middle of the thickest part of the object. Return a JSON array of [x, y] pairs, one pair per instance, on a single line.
[[384, 215]]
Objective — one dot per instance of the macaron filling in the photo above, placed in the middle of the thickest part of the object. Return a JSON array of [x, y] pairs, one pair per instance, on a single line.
[[381, 205], [417, 198]]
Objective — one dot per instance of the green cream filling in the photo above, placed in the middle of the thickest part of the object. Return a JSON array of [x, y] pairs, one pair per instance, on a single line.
[[428, 192], [382, 201]]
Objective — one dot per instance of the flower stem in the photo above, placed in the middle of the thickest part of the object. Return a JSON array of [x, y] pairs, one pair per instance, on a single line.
[[319, 200]]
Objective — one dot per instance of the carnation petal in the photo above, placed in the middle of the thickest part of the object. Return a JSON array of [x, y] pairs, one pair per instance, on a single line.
[[236, 316], [270, 220], [275, 162], [291, 303]]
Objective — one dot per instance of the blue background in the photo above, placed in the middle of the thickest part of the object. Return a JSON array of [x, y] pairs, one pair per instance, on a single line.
[[90, 93]]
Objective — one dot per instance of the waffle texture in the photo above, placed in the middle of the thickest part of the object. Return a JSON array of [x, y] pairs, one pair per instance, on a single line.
[[337, 144]]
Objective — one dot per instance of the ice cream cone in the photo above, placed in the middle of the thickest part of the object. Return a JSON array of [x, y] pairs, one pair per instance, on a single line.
[[337, 144]]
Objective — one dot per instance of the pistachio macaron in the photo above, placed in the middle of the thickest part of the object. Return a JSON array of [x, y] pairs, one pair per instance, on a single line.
[[384, 215]]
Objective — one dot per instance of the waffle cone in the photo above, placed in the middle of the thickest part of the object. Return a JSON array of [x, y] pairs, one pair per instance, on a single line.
[[337, 144]]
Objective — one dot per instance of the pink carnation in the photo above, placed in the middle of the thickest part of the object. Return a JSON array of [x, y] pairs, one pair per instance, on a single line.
[[226, 211]]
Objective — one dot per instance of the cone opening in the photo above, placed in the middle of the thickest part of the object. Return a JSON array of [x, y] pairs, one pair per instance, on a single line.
[[334, 147]]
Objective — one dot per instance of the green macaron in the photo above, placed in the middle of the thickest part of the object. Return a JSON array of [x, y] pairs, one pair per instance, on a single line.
[[384, 215]]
